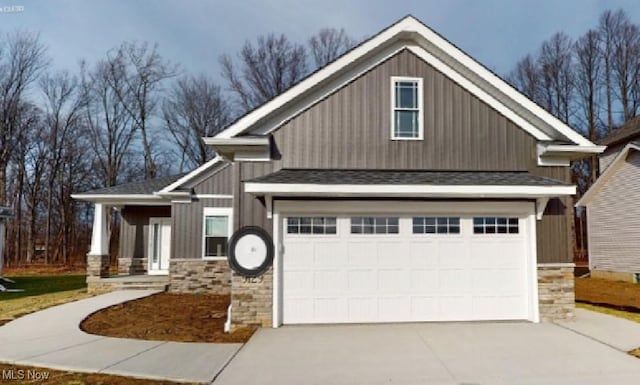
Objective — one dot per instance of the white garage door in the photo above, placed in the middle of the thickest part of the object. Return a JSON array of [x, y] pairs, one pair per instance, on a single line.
[[340, 269]]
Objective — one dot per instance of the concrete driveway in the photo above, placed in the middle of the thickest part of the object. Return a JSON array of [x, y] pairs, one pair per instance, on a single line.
[[435, 354]]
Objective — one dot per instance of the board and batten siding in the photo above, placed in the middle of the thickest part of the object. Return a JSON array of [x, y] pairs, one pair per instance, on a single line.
[[614, 221], [134, 229], [351, 129], [220, 183]]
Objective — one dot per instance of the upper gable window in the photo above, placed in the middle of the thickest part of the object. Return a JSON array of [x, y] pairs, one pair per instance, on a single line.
[[406, 108]]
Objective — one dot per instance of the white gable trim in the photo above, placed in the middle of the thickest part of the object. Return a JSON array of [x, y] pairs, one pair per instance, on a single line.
[[192, 175], [411, 30], [609, 172]]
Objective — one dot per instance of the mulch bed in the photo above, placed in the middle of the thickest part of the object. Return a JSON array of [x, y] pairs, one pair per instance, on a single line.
[[168, 317], [617, 294]]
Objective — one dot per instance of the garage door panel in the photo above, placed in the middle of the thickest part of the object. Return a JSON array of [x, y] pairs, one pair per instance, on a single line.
[[362, 280], [326, 253], [423, 254], [394, 254], [453, 253], [425, 281], [404, 277], [360, 253], [392, 280]]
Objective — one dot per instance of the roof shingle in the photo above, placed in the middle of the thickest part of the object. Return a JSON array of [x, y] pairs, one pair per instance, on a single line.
[[406, 177]]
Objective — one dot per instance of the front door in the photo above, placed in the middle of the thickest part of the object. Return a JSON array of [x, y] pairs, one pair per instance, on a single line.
[[159, 245]]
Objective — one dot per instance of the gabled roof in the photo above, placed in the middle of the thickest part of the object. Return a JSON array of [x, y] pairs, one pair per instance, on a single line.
[[630, 130], [406, 177], [408, 33], [609, 172], [145, 187]]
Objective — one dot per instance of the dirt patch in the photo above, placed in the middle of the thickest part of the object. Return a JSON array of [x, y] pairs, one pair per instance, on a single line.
[[18, 374], [622, 295], [35, 269], [168, 317]]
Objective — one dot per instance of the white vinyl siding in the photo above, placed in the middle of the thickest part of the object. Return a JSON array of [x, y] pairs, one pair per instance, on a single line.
[[614, 220]]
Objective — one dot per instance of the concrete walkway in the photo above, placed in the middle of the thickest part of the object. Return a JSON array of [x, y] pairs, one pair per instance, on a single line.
[[52, 338], [618, 333], [474, 353]]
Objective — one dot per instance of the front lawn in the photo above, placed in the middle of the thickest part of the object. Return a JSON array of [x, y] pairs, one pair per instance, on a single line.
[[40, 292], [168, 317], [623, 295]]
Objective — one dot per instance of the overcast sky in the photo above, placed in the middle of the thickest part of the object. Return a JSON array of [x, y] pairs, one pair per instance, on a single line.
[[195, 33]]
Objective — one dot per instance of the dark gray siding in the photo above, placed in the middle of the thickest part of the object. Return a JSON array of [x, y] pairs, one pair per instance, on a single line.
[[220, 183], [186, 226], [134, 229], [351, 129]]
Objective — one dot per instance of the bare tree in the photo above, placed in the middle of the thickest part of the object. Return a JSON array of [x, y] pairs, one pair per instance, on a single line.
[[328, 44], [609, 29], [626, 67], [136, 75], [588, 72], [194, 108], [526, 77], [22, 58], [63, 112], [556, 63], [264, 70]]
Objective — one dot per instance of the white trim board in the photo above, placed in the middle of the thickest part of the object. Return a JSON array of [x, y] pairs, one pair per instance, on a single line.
[[410, 31], [443, 191], [194, 174], [123, 199]]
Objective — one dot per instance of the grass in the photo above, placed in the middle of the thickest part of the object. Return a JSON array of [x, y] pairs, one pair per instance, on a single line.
[[40, 292], [57, 377]]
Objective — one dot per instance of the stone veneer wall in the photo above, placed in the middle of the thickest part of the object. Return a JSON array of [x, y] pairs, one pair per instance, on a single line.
[[251, 300], [198, 275], [556, 296], [132, 266], [97, 265]]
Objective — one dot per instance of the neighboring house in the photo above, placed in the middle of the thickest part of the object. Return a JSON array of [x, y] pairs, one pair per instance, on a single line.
[[402, 182], [613, 214]]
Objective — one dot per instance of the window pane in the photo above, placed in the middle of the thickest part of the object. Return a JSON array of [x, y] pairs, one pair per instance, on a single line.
[[454, 221], [331, 221], [393, 229], [217, 226], [478, 221], [305, 229], [454, 230], [406, 95], [418, 221], [418, 229], [392, 221], [513, 221], [355, 229], [478, 230], [430, 229], [331, 229], [430, 221], [406, 124], [513, 230], [292, 229], [216, 246]]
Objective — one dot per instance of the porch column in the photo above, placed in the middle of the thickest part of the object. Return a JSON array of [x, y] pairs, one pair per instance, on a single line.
[[98, 257]]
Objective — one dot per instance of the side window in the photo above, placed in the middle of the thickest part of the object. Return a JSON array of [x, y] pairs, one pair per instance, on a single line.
[[406, 106], [311, 225], [375, 225], [436, 225], [216, 232], [495, 225]]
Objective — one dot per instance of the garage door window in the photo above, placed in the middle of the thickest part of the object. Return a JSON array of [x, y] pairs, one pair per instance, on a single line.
[[495, 225], [311, 225], [436, 225], [374, 225]]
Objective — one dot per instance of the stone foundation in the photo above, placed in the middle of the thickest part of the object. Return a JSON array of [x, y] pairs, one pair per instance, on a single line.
[[614, 275], [97, 265], [132, 266], [556, 295], [251, 300], [199, 276]]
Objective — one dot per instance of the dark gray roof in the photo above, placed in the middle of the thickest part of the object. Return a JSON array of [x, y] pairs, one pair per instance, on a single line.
[[148, 186], [628, 131], [407, 177]]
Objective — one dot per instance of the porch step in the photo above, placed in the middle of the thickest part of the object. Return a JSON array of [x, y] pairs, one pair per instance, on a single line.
[[129, 282]]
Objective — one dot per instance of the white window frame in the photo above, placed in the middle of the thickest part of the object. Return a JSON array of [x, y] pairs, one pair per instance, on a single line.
[[218, 212], [394, 80]]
